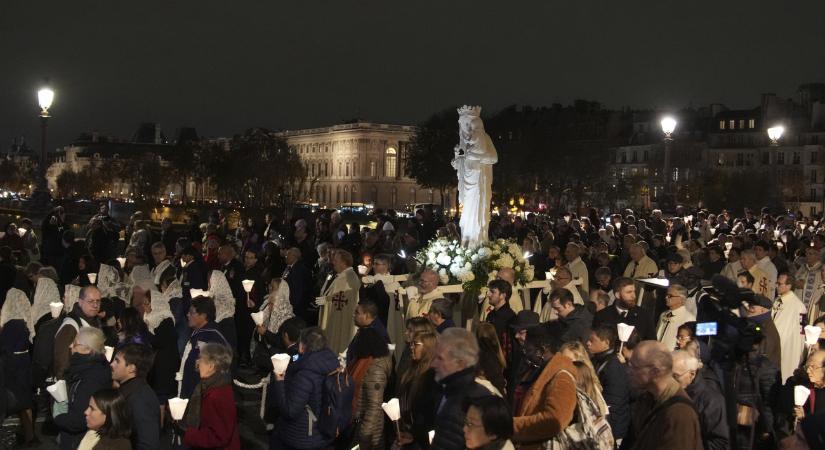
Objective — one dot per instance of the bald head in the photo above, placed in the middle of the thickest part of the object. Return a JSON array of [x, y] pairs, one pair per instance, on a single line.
[[507, 274]]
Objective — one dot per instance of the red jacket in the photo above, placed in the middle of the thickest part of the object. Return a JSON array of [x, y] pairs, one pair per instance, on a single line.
[[219, 422]]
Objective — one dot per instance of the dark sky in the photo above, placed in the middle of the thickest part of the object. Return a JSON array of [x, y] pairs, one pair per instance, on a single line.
[[223, 66]]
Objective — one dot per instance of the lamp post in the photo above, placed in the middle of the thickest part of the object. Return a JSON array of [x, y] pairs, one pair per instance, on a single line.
[[41, 196], [775, 133], [668, 126]]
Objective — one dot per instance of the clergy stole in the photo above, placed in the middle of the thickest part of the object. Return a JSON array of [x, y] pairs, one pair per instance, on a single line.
[[341, 295], [789, 316]]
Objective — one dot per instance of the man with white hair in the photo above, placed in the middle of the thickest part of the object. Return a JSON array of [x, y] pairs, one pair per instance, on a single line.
[[456, 356], [674, 317], [706, 396], [788, 314], [419, 305], [640, 265]]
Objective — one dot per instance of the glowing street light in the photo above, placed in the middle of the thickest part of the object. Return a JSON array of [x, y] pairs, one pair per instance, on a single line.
[[45, 97], [775, 133], [668, 126]]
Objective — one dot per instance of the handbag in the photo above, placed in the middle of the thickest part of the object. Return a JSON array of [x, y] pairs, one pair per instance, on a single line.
[[589, 429]]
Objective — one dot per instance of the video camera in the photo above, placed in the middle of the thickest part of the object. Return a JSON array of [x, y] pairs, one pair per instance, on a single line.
[[731, 336]]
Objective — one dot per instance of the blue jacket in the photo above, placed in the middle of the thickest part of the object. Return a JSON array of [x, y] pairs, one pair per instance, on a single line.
[[300, 388]]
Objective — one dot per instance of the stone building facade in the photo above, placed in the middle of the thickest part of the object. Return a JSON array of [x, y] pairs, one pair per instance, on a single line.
[[359, 163]]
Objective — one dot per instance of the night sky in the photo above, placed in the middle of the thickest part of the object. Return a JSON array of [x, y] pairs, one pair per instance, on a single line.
[[223, 66]]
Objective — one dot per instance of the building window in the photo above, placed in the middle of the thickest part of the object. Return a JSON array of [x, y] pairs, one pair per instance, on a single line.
[[346, 195], [390, 160], [796, 157], [372, 169], [347, 168], [644, 156], [740, 159], [326, 169], [766, 158], [621, 174], [741, 124], [732, 124], [813, 194], [624, 157], [675, 174], [394, 198], [340, 167], [780, 158], [721, 124], [751, 123], [374, 194], [813, 176], [813, 157], [635, 157], [337, 195]]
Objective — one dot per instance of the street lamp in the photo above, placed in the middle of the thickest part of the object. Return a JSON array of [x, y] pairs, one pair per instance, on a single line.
[[41, 196], [668, 126], [775, 133]]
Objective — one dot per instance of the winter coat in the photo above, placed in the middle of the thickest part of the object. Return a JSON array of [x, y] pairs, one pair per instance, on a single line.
[[368, 411], [710, 404], [449, 419], [86, 375], [548, 405], [301, 388], [615, 389], [219, 428], [145, 412], [578, 324]]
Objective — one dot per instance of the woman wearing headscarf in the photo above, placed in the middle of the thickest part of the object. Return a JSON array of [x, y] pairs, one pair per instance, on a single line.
[[16, 332], [163, 337], [276, 310], [44, 293], [221, 294]]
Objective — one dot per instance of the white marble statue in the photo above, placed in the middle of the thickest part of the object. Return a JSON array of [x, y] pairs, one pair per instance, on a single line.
[[474, 159]]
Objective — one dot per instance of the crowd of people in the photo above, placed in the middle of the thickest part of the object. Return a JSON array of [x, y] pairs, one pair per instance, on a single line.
[[146, 317]]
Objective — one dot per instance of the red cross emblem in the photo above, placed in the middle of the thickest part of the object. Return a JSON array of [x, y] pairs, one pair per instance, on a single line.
[[340, 300]]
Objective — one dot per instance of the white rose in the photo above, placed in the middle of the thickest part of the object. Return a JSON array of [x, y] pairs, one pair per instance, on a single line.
[[444, 279], [444, 259], [431, 255], [468, 266], [474, 258]]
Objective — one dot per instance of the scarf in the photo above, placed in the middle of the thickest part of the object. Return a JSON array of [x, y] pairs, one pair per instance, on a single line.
[[279, 308], [44, 293], [222, 296], [192, 415]]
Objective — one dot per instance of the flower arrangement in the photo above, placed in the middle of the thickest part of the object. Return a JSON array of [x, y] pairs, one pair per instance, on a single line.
[[474, 267]]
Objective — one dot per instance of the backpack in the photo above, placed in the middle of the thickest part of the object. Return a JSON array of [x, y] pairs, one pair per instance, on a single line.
[[589, 429], [43, 347], [337, 391]]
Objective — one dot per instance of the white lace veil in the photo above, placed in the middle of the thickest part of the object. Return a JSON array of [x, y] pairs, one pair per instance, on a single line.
[[44, 293], [16, 306], [221, 295]]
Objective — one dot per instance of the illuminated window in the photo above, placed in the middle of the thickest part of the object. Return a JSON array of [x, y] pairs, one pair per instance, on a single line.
[[732, 124], [741, 124], [372, 169], [390, 159], [721, 124], [752, 123]]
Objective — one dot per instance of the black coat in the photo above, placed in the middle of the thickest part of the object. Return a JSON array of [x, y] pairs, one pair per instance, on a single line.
[[449, 420], [615, 389], [299, 279], [86, 375], [164, 341], [638, 317], [145, 411], [577, 324], [710, 404]]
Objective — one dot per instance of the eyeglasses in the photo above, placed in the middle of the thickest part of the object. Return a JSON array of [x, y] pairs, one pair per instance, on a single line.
[[95, 302], [682, 338], [812, 367], [672, 295]]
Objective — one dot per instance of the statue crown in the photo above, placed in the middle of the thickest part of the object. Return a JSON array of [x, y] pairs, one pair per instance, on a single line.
[[467, 110]]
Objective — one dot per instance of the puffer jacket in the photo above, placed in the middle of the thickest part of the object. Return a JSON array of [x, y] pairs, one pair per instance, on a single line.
[[449, 420], [368, 412], [300, 388]]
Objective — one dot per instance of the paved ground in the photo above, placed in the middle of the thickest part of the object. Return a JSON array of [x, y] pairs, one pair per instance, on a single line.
[[253, 431]]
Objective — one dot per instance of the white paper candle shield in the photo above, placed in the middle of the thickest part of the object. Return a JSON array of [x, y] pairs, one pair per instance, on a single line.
[[412, 292], [362, 269], [258, 317], [800, 395], [58, 391], [392, 408], [92, 277], [55, 308], [122, 262], [624, 331], [247, 285], [279, 362], [199, 293], [391, 347], [177, 406], [110, 351], [431, 435], [812, 334]]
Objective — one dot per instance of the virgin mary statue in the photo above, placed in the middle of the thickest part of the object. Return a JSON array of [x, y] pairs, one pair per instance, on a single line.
[[474, 159]]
